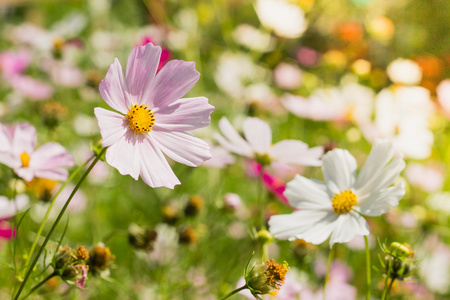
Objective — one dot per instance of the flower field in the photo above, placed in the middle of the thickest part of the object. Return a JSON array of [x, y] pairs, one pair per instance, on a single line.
[[224, 149]]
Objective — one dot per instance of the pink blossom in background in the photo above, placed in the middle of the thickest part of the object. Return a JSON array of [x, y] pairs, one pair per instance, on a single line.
[[6, 232], [152, 118], [31, 88], [14, 63], [64, 74], [17, 151], [308, 57], [8, 209], [232, 201], [288, 76], [426, 177], [165, 53], [272, 183]]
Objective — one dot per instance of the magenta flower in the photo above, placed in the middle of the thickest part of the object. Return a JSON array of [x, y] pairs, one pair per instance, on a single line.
[[81, 281], [17, 151], [165, 53], [152, 118]]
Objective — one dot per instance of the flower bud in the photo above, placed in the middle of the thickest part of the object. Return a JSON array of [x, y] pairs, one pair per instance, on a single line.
[[265, 237], [63, 257], [266, 278], [141, 237], [193, 206]]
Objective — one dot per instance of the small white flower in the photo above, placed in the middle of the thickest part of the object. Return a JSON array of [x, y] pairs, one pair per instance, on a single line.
[[404, 71], [335, 207]]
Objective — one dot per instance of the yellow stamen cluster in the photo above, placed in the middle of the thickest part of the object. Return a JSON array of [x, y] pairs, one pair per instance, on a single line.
[[343, 202], [141, 118], [25, 158], [275, 274], [82, 253]]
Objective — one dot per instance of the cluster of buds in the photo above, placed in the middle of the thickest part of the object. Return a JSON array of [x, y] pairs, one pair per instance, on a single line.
[[193, 206], [72, 266], [141, 238], [266, 278], [397, 263]]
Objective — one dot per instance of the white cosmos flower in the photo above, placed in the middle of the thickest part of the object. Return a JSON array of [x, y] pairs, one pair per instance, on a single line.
[[258, 144], [335, 207]]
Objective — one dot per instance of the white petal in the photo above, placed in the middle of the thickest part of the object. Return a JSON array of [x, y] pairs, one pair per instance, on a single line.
[[304, 193], [112, 125], [339, 168], [258, 134], [124, 154], [113, 88], [296, 152], [155, 170], [314, 226], [347, 227], [232, 141], [381, 201], [381, 153], [381, 179], [182, 147], [9, 208], [142, 64]]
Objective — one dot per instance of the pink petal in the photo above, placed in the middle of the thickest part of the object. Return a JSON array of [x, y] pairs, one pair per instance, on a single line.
[[184, 114], [7, 157], [142, 64], [155, 171], [112, 125], [258, 133], [124, 154], [82, 280], [182, 147], [173, 82], [296, 152], [50, 161], [31, 88], [113, 88]]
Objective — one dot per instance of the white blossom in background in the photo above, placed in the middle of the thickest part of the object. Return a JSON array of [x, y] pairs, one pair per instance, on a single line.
[[283, 17], [404, 71], [443, 95], [253, 38], [402, 114]]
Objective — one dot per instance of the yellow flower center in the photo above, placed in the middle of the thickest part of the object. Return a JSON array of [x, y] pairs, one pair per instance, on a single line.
[[275, 275], [25, 158], [343, 202], [141, 118]]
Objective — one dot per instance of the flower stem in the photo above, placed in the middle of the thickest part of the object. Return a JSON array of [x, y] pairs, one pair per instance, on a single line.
[[61, 213], [327, 276], [261, 199], [41, 227], [368, 267], [389, 288], [234, 292], [385, 290], [40, 284]]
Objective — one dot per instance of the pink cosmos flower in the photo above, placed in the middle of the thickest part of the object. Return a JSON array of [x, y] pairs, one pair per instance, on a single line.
[[13, 63], [17, 151], [9, 208], [31, 88], [152, 118], [257, 144]]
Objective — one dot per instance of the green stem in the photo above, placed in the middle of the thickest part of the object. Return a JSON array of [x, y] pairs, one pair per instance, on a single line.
[[261, 199], [234, 292], [368, 267], [40, 284], [383, 297], [61, 213], [327, 276], [41, 227], [389, 288]]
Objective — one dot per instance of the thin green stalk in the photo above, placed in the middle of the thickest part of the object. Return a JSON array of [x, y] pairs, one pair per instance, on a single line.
[[40, 284], [234, 292], [368, 267], [41, 227], [327, 276], [261, 199], [389, 288], [385, 290], [61, 213]]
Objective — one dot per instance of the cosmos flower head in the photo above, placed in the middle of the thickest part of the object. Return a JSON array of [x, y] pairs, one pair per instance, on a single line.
[[257, 144], [18, 151], [334, 209], [151, 119]]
